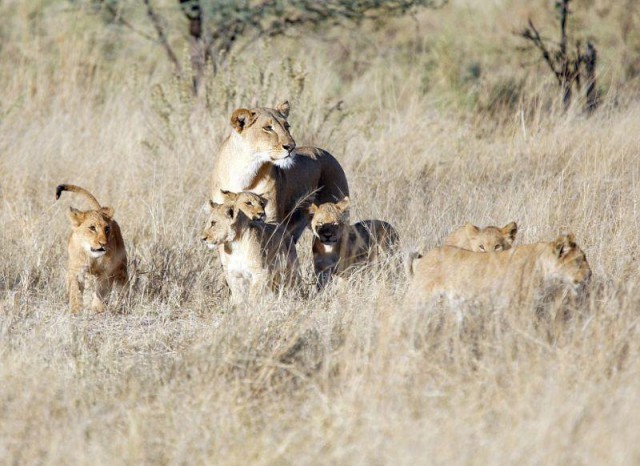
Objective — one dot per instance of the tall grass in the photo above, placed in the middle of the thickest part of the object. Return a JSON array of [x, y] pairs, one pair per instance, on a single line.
[[352, 376]]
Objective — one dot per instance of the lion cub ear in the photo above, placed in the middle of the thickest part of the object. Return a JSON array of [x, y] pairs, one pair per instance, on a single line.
[[283, 108], [214, 205], [107, 212], [471, 228], [229, 196], [509, 231], [76, 216], [242, 118], [313, 208], [563, 245], [343, 204]]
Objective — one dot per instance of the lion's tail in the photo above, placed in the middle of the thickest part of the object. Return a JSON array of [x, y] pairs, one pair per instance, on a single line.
[[409, 261], [77, 189]]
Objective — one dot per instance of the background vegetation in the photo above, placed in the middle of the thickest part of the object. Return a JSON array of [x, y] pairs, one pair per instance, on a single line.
[[438, 119]]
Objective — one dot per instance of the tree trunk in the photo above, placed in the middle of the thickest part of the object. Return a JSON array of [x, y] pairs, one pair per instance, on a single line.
[[590, 60]]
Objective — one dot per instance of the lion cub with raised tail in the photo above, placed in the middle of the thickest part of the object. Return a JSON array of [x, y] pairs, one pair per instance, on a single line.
[[339, 246], [513, 276], [487, 239], [96, 249], [255, 256]]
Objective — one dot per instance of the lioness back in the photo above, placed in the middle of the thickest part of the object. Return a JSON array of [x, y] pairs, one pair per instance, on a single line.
[[512, 275], [487, 239]]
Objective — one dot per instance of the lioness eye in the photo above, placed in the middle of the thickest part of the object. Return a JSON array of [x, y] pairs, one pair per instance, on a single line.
[[497, 248], [92, 228], [268, 128]]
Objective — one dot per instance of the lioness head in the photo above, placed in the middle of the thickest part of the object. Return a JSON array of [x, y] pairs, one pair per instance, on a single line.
[[569, 261], [221, 225], [92, 228], [250, 204], [266, 132], [491, 238], [328, 220]]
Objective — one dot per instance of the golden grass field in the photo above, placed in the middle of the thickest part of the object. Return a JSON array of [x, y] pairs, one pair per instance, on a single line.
[[351, 376]]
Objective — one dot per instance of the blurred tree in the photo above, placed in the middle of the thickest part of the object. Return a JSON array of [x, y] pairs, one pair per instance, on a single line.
[[217, 27], [567, 65]]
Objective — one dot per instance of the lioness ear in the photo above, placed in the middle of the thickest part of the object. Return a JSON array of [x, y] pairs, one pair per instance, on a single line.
[[471, 228], [242, 119], [76, 216], [563, 244], [510, 230], [283, 108], [313, 208], [343, 204], [107, 212]]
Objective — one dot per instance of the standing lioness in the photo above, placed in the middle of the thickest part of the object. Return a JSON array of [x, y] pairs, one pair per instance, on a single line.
[[261, 156], [96, 248]]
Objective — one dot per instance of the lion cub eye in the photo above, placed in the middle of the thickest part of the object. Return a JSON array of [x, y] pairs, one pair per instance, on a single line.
[[497, 248], [481, 247], [92, 228], [268, 128]]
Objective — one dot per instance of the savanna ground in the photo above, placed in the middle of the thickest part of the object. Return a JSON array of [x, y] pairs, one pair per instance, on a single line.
[[440, 123]]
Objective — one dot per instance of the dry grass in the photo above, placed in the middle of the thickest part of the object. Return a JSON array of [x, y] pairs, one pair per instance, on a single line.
[[351, 377]]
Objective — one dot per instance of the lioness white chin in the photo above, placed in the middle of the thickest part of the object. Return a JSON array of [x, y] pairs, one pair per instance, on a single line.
[[261, 156]]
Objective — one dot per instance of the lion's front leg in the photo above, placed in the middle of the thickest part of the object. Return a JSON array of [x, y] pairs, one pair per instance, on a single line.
[[75, 288], [101, 294]]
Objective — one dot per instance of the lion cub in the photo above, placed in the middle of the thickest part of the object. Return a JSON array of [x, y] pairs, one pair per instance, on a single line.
[[510, 276], [487, 239], [96, 248], [339, 246], [255, 255]]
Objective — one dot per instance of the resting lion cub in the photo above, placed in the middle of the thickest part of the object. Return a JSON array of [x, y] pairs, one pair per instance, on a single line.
[[261, 156], [96, 248], [487, 239], [339, 246], [255, 256], [509, 276]]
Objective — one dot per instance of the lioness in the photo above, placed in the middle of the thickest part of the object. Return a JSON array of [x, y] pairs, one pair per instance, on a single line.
[[339, 246], [512, 276], [255, 255], [261, 156], [95, 248], [487, 239]]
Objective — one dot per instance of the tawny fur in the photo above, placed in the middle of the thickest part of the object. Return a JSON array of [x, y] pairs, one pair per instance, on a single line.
[[487, 239], [338, 246], [255, 256], [512, 276], [96, 249], [261, 156]]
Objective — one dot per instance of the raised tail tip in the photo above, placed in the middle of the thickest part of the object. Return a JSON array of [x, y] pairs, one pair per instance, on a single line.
[[59, 189]]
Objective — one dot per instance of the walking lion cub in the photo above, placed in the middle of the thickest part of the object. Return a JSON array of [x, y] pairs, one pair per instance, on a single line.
[[512, 276], [96, 249], [339, 246], [255, 256]]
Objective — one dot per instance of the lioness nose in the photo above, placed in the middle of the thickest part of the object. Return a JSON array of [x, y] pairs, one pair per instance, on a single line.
[[289, 147]]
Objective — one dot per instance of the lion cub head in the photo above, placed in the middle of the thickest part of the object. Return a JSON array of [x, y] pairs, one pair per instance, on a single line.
[[251, 204], [227, 220], [487, 239], [91, 229], [569, 262], [328, 221], [265, 131]]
